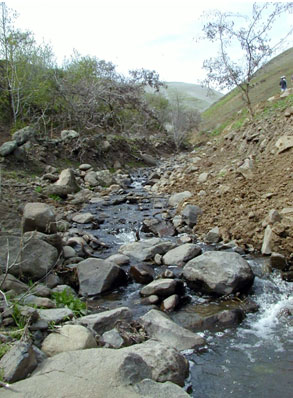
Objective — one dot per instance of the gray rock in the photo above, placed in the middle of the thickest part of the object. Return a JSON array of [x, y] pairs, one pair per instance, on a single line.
[[148, 159], [166, 363], [68, 252], [9, 282], [41, 290], [203, 177], [91, 178], [23, 135], [52, 239], [35, 301], [39, 217], [170, 303], [219, 273], [181, 254], [213, 236], [55, 315], [284, 143], [147, 249], [67, 181], [278, 261], [190, 214], [162, 287], [160, 327], [18, 362], [159, 228], [267, 241], [69, 134], [105, 321], [7, 148], [68, 338], [97, 276], [149, 388], [83, 218], [178, 198], [105, 178], [119, 259], [61, 288], [37, 257], [112, 339], [134, 369], [85, 167], [142, 273], [78, 374]]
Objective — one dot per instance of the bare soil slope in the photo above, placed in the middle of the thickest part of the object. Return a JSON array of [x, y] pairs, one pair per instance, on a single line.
[[239, 200]]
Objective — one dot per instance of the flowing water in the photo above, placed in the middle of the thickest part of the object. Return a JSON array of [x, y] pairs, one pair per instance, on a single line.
[[252, 360]]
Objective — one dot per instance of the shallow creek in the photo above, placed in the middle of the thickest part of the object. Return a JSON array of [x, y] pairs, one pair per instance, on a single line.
[[253, 360]]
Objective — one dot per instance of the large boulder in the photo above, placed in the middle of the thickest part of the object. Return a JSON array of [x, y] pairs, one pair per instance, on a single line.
[[219, 273], [166, 363], [97, 276], [69, 134], [105, 178], [18, 362], [104, 372], [181, 254], [68, 338], [23, 135], [163, 287], [39, 217], [146, 249], [160, 327], [190, 214], [67, 181], [177, 198], [91, 178], [7, 148], [105, 321], [27, 258]]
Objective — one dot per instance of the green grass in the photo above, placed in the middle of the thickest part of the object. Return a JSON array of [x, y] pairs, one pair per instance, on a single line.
[[18, 318], [67, 299], [265, 84], [55, 197], [4, 347]]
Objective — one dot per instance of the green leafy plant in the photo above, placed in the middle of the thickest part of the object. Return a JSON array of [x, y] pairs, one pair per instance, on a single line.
[[67, 299], [55, 197], [38, 189], [3, 349], [18, 318]]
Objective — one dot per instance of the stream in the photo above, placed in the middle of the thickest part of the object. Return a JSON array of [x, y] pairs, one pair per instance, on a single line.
[[254, 359]]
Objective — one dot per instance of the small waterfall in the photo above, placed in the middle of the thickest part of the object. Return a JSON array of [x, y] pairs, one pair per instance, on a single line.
[[256, 358]]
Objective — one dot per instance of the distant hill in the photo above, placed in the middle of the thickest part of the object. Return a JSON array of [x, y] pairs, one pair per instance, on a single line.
[[265, 85], [193, 96]]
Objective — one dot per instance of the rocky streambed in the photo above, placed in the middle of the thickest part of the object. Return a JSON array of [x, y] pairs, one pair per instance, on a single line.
[[166, 315]]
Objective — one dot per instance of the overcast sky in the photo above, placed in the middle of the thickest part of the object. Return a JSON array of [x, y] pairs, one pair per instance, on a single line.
[[151, 34]]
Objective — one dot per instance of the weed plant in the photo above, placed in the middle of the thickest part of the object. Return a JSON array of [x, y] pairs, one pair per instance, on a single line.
[[67, 299]]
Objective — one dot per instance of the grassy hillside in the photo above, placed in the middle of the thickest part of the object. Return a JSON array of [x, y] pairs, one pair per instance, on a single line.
[[192, 95], [265, 85]]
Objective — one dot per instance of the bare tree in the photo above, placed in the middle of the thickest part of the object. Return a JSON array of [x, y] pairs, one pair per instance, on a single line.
[[248, 37], [181, 119]]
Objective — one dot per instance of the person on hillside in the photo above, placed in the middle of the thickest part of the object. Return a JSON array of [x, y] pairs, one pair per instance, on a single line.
[[283, 83]]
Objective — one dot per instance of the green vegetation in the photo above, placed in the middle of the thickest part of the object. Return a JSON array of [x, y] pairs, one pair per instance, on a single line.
[[55, 197], [38, 189], [67, 299], [18, 318], [4, 347], [265, 84]]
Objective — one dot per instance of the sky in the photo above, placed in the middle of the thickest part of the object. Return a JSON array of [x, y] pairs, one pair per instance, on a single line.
[[158, 35]]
